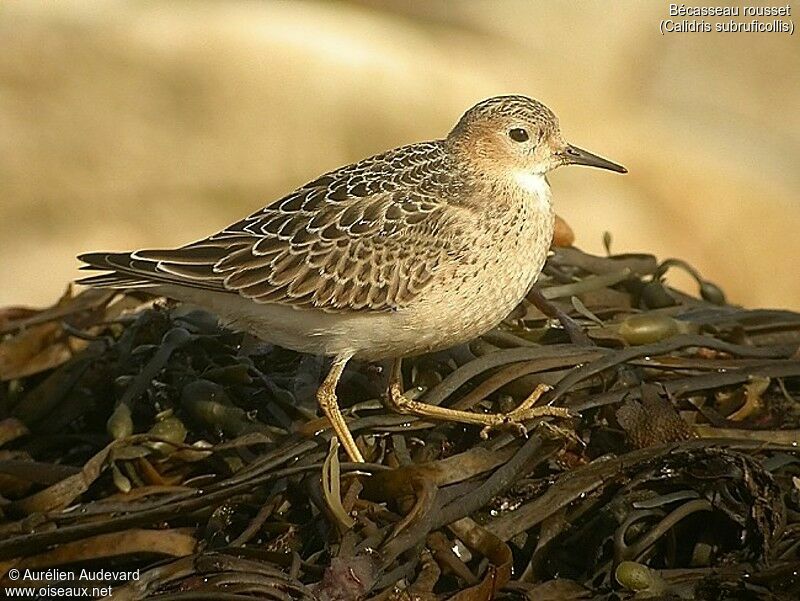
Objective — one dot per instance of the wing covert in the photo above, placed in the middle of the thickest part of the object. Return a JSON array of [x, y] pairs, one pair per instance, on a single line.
[[365, 237]]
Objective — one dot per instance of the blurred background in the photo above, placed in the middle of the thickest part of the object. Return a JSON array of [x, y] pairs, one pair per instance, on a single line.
[[133, 124]]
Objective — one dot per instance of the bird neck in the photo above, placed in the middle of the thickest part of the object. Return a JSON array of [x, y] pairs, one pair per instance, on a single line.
[[488, 179], [532, 183], [534, 189]]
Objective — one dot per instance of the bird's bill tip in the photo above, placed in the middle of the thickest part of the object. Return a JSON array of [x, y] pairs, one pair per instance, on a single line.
[[579, 156]]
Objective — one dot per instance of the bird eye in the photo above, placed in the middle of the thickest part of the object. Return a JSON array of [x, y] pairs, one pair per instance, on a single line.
[[518, 134]]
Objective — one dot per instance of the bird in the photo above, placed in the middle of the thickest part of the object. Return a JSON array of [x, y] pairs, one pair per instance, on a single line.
[[417, 249]]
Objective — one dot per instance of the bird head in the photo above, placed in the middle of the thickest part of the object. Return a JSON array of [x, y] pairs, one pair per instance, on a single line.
[[517, 134]]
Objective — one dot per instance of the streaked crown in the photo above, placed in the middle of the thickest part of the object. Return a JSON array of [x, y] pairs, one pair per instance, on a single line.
[[509, 108]]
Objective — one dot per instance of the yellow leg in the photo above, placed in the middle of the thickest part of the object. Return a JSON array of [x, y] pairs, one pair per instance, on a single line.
[[326, 397], [512, 420]]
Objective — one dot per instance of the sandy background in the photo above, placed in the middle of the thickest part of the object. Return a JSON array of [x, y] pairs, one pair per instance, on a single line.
[[134, 124]]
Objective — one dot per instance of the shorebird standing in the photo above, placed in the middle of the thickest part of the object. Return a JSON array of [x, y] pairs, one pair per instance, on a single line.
[[413, 250]]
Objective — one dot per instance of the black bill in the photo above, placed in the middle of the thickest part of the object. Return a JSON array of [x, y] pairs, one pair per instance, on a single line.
[[579, 156]]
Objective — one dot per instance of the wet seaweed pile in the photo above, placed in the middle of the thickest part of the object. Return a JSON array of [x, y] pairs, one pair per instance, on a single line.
[[139, 435]]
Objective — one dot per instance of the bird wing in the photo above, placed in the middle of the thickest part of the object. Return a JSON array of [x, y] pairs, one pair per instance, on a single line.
[[366, 237]]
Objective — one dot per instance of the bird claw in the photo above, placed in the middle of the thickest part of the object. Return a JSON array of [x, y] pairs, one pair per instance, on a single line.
[[503, 424], [514, 420]]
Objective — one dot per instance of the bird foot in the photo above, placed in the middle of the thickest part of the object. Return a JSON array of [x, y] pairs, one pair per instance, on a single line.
[[514, 421]]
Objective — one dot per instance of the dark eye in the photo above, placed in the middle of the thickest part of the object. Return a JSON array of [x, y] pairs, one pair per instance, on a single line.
[[518, 134]]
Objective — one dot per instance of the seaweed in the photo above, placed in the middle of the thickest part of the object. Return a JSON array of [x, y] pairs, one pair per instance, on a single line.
[[139, 436]]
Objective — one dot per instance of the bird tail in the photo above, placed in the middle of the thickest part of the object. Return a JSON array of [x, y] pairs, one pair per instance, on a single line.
[[190, 266], [119, 276]]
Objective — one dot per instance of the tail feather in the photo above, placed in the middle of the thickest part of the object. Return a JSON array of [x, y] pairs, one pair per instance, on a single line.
[[196, 254], [192, 267], [114, 280]]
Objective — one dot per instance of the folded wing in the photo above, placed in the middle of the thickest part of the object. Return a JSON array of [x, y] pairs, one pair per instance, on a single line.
[[368, 237]]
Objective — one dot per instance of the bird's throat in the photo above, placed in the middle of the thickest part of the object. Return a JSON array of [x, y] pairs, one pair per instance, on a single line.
[[535, 185]]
